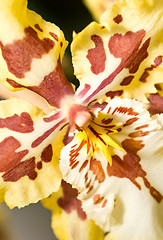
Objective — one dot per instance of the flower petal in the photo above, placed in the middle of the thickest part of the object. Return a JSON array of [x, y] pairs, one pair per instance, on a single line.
[[29, 169], [98, 7], [117, 196], [69, 222], [122, 56], [31, 53]]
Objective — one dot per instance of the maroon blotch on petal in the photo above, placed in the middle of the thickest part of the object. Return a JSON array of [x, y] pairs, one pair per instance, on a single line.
[[156, 104], [69, 201], [97, 56], [31, 47], [47, 153], [129, 167], [22, 123], [118, 19]]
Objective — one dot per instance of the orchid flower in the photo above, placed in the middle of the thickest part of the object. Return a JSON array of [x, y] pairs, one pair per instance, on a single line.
[[104, 129]]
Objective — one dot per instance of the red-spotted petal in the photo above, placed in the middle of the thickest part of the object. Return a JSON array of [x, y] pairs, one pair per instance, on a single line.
[[108, 191], [122, 56], [69, 221], [31, 53], [29, 152]]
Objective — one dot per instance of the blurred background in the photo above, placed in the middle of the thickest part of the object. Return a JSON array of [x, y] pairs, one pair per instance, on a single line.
[[34, 221]]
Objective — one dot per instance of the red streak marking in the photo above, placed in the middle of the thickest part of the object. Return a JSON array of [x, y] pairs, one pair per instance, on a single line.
[[109, 109], [38, 28], [104, 203], [26, 168], [97, 56], [142, 126], [126, 81], [74, 153], [113, 94], [129, 167], [97, 169], [75, 165], [53, 117], [54, 35], [130, 121], [88, 184], [156, 103], [90, 189], [127, 48], [47, 154], [69, 201], [97, 134], [138, 134], [83, 165], [66, 124], [83, 92], [107, 121], [53, 87], [118, 19], [125, 110], [97, 199], [22, 123], [40, 139], [19, 54]]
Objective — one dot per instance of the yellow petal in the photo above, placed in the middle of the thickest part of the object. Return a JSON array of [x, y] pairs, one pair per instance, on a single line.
[[69, 222], [122, 56], [98, 7], [31, 53], [29, 152]]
